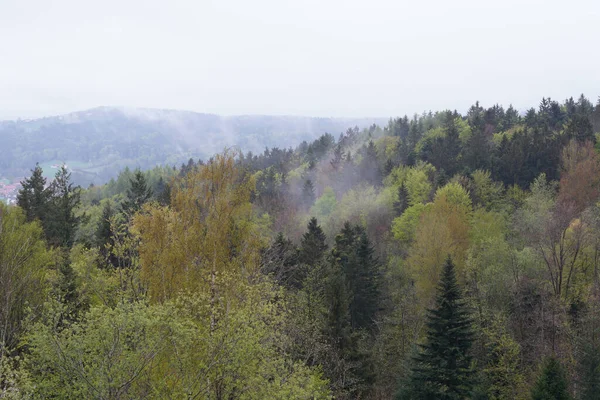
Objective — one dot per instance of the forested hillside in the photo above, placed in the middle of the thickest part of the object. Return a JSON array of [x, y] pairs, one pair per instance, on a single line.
[[97, 143], [439, 256]]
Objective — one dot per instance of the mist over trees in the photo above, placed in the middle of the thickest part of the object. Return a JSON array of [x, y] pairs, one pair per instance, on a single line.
[[440, 256]]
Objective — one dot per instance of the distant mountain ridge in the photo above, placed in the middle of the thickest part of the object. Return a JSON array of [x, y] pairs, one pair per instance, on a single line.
[[100, 141]]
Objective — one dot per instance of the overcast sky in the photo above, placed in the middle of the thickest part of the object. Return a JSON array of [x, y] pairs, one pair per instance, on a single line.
[[306, 57]]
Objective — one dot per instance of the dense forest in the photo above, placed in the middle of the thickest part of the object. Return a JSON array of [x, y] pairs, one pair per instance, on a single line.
[[441, 256]]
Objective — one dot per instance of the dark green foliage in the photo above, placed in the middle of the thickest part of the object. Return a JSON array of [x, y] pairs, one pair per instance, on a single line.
[[104, 235], [137, 194], [280, 260], [589, 372], [313, 244], [552, 383], [354, 254], [308, 193], [33, 196], [163, 192], [401, 204], [442, 367], [62, 222]]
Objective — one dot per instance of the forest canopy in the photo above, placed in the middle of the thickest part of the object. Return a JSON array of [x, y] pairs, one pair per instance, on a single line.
[[440, 256]]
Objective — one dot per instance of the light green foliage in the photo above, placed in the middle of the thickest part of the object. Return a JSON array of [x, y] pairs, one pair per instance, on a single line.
[[387, 145], [488, 194], [24, 263], [170, 351], [96, 286], [464, 130], [431, 134], [501, 370], [455, 195], [324, 205], [86, 230], [490, 257], [397, 176], [418, 186], [404, 226], [360, 205]]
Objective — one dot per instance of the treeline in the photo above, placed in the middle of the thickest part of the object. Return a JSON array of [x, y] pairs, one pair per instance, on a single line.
[[443, 256]]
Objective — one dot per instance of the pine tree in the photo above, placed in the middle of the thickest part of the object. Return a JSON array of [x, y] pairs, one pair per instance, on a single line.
[[138, 193], [552, 383], [33, 197], [442, 366]]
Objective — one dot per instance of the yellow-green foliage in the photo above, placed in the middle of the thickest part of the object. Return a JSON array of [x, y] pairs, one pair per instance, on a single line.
[[206, 239], [172, 350], [487, 192], [404, 226], [431, 134], [464, 130], [418, 186], [489, 258], [455, 195], [387, 145], [24, 267], [443, 232]]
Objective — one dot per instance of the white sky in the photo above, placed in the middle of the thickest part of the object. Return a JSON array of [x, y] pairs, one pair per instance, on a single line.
[[305, 57]]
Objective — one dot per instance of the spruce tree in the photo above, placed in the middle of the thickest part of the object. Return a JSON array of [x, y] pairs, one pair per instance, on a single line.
[[364, 285], [104, 235], [308, 193], [137, 194], [33, 197], [552, 382], [313, 244], [401, 204], [441, 368], [355, 255], [62, 222]]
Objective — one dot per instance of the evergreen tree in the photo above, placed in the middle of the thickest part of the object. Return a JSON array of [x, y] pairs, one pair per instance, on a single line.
[[33, 197], [137, 194], [280, 260], [364, 284], [442, 366], [308, 193], [104, 235], [589, 372], [369, 166], [62, 222], [552, 382], [163, 192], [401, 204], [313, 244]]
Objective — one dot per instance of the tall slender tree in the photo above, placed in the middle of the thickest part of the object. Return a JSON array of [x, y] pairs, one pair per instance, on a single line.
[[33, 197], [62, 220], [137, 194], [442, 366]]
